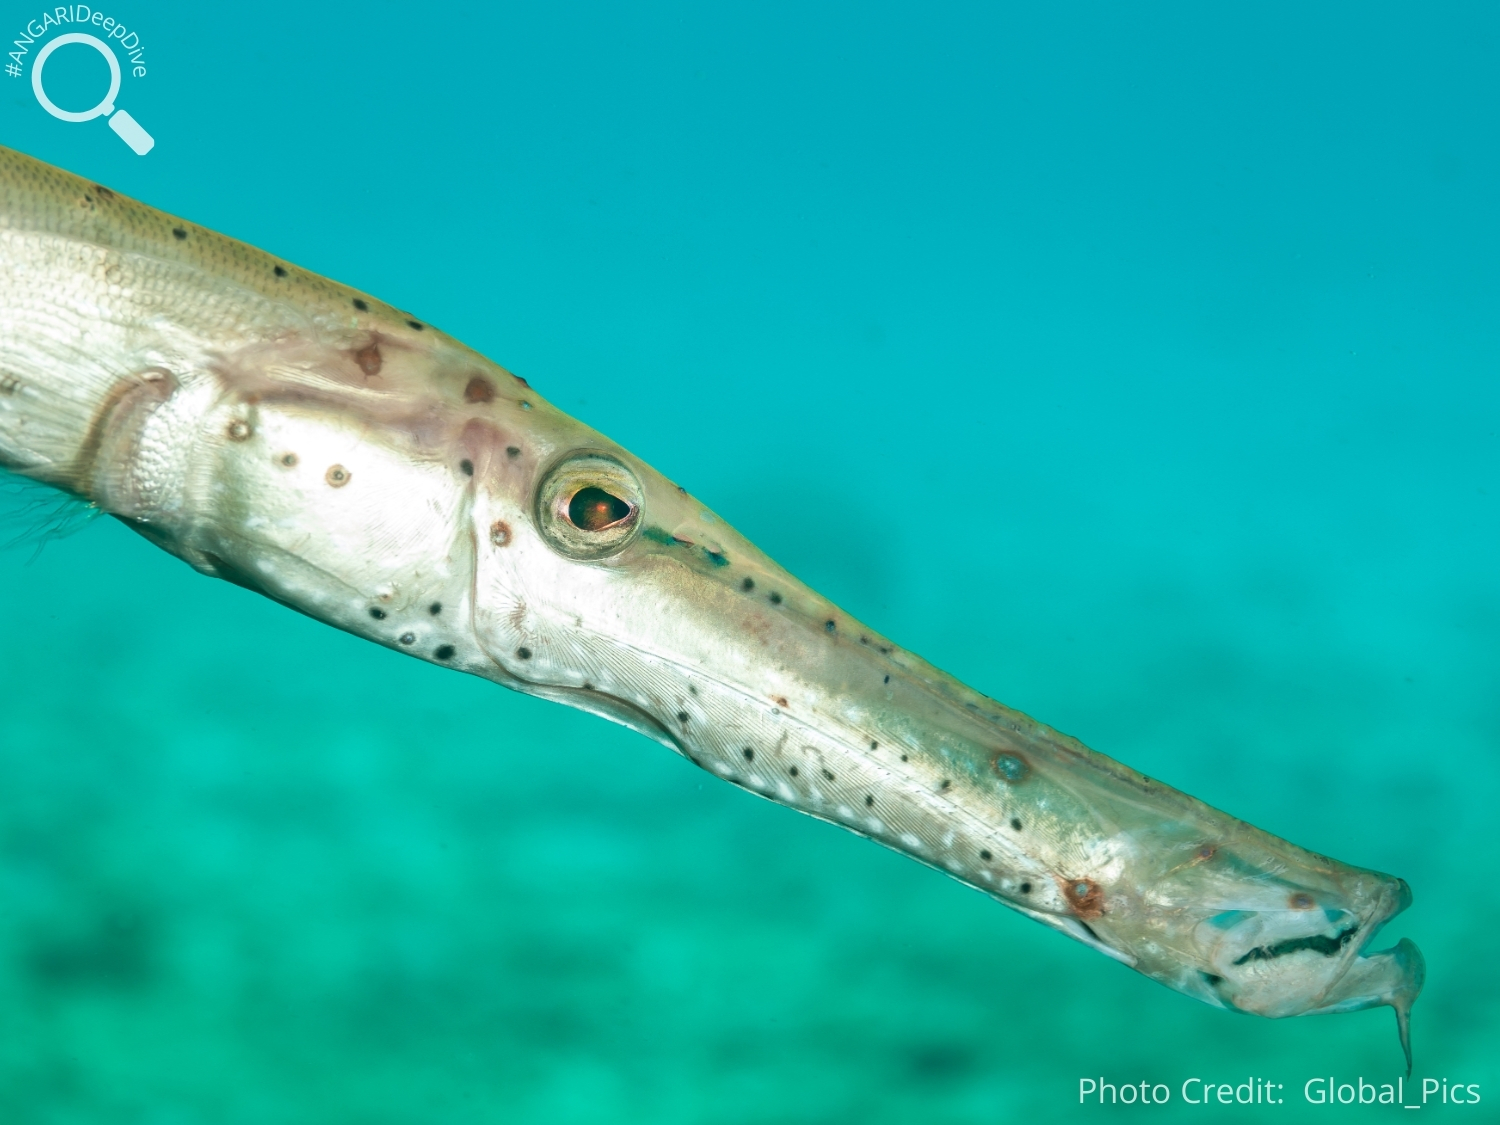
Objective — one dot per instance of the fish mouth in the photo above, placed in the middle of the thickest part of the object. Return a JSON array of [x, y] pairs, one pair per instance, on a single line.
[[1307, 961]]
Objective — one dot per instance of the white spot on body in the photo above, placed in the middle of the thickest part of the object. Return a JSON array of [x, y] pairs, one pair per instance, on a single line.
[[911, 841]]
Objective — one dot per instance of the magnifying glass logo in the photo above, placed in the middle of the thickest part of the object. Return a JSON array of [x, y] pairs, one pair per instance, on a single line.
[[128, 129]]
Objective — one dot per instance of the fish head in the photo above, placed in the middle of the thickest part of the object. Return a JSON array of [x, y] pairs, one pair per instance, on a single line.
[[1255, 924]]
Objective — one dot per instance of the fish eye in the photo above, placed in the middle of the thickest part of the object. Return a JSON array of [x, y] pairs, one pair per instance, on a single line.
[[593, 509], [588, 506]]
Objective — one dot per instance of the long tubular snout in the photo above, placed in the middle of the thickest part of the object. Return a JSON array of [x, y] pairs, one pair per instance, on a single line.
[[278, 430]]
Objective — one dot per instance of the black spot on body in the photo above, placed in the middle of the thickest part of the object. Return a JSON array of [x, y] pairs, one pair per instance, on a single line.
[[407, 638], [903, 757], [1213, 979], [793, 771], [1015, 822], [467, 467], [512, 452], [682, 717], [828, 774], [416, 324], [524, 653], [377, 613], [985, 855], [1025, 888], [944, 783], [869, 800], [178, 233], [775, 598], [748, 584], [829, 627], [360, 305], [874, 745], [749, 754], [280, 271], [443, 652], [435, 608], [887, 679]]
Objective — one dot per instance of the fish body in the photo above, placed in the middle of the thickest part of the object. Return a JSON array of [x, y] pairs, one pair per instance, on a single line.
[[302, 439]]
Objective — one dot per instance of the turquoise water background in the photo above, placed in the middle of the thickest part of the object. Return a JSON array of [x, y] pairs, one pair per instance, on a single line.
[[1137, 367]]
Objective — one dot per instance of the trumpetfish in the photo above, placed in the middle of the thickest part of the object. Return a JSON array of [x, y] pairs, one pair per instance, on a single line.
[[306, 441]]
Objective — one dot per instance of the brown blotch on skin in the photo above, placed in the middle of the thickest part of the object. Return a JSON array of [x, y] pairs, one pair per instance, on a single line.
[[1085, 896], [238, 430], [1301, 901], [1205, 851], [337, 476], [1010, 766], [500, 533], [479, 389], [781, 701], [368, 358]]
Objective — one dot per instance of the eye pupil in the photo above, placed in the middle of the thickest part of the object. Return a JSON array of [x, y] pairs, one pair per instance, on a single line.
[[593, 509]]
